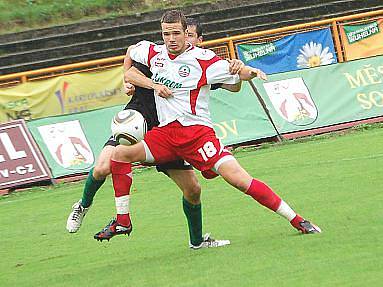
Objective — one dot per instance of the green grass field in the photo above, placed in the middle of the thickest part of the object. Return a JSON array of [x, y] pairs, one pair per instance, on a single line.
[[335, 181]]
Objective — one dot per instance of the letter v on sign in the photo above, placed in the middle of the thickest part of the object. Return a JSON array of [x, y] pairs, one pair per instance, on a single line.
[[233, 128], [10, 148]]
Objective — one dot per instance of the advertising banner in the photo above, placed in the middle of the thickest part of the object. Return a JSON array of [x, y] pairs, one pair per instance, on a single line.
[[362, 40], [325, 96], [71, 143], [293, 52], [239, 117], [20, 160], [62, 95]]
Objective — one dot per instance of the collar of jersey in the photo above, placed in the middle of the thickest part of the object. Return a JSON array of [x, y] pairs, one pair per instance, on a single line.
[[172, 57]]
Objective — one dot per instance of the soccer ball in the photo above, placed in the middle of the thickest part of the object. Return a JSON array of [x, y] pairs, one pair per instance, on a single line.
[[128, 127]]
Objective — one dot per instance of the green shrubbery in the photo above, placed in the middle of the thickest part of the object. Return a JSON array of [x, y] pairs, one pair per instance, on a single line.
[[18, 15]]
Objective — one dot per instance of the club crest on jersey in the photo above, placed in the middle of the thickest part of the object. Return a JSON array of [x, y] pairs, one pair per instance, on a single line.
[[184, 71]]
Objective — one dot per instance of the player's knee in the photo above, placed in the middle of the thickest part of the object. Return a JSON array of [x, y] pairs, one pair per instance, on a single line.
[[122, 154], [193, 193], [129, 153], [102, 170]]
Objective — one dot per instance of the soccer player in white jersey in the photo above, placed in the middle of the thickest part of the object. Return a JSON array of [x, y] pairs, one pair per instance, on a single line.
[[182, 75], [179, 171]]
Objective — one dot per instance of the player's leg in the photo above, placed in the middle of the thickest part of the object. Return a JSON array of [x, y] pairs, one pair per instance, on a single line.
[[235, 175], [96, 178], [154, 147], [206, 153], [121, 169], [187, 181]]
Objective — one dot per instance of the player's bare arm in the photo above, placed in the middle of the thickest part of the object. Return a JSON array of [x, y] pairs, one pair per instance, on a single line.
[[135, 77], [248, 73], [128, 87], [234, 68]]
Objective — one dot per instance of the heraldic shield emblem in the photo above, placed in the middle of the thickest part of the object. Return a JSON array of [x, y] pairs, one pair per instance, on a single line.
[[68, 145], [292, 100]]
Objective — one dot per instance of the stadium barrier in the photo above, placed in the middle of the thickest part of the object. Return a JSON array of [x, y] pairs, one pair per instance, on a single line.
[[295, 101]]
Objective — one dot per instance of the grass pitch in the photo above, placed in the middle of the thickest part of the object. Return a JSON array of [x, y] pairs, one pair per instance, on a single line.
[[334, 181]]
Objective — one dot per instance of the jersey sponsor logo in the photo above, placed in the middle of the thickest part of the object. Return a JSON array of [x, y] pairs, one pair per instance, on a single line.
[[159, 62], [184, 71], [169, 83]]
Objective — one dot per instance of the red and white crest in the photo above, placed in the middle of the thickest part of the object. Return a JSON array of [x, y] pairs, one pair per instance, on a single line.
[[292, 100], [67, 144]]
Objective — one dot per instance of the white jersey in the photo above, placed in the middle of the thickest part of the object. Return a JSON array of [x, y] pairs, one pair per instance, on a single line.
[[189, 76]]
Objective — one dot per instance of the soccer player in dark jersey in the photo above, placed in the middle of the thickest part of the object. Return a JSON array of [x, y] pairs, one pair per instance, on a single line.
[[179, 171]]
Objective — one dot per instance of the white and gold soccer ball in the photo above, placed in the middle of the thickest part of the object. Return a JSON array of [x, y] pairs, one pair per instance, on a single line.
[[128, 127]]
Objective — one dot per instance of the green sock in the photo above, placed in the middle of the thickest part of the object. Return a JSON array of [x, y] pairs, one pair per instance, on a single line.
[[193, 215], [90, 189]]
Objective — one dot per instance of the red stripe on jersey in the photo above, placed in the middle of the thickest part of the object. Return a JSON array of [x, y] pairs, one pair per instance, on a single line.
[[152, 53], [202, 81]]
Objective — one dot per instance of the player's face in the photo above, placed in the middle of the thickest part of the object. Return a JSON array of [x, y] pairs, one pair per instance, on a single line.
[[174, 37], [192, 36]]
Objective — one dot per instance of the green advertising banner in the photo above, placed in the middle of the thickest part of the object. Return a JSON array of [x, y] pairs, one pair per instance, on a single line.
[[324, 96], [71, 143], [239, 117]]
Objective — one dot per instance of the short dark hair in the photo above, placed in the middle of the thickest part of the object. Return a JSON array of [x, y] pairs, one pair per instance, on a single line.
[[194, 22], [174, 16]]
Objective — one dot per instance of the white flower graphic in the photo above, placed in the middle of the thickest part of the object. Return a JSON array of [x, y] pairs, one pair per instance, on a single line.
[[312, 55]]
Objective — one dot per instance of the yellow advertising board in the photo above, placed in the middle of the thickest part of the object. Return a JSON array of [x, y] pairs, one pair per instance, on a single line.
[[362, 40], [63, 95]]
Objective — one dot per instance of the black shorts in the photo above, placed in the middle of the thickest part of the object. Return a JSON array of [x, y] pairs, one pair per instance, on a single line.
[[177, 164]]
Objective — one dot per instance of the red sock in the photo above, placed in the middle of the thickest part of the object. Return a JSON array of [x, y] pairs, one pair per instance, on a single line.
[[122, 181], [296, 220], [264, 194]]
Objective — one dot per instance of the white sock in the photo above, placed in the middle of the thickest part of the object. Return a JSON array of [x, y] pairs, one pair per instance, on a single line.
[[285, 210], [122, 204]]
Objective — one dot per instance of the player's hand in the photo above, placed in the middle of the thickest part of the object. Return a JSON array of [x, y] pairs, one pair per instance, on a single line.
[[258, 73], [162, 91], [129, 88], [235, 66]]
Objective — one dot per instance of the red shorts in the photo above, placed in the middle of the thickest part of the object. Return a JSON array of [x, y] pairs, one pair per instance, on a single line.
[[197, 144]]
